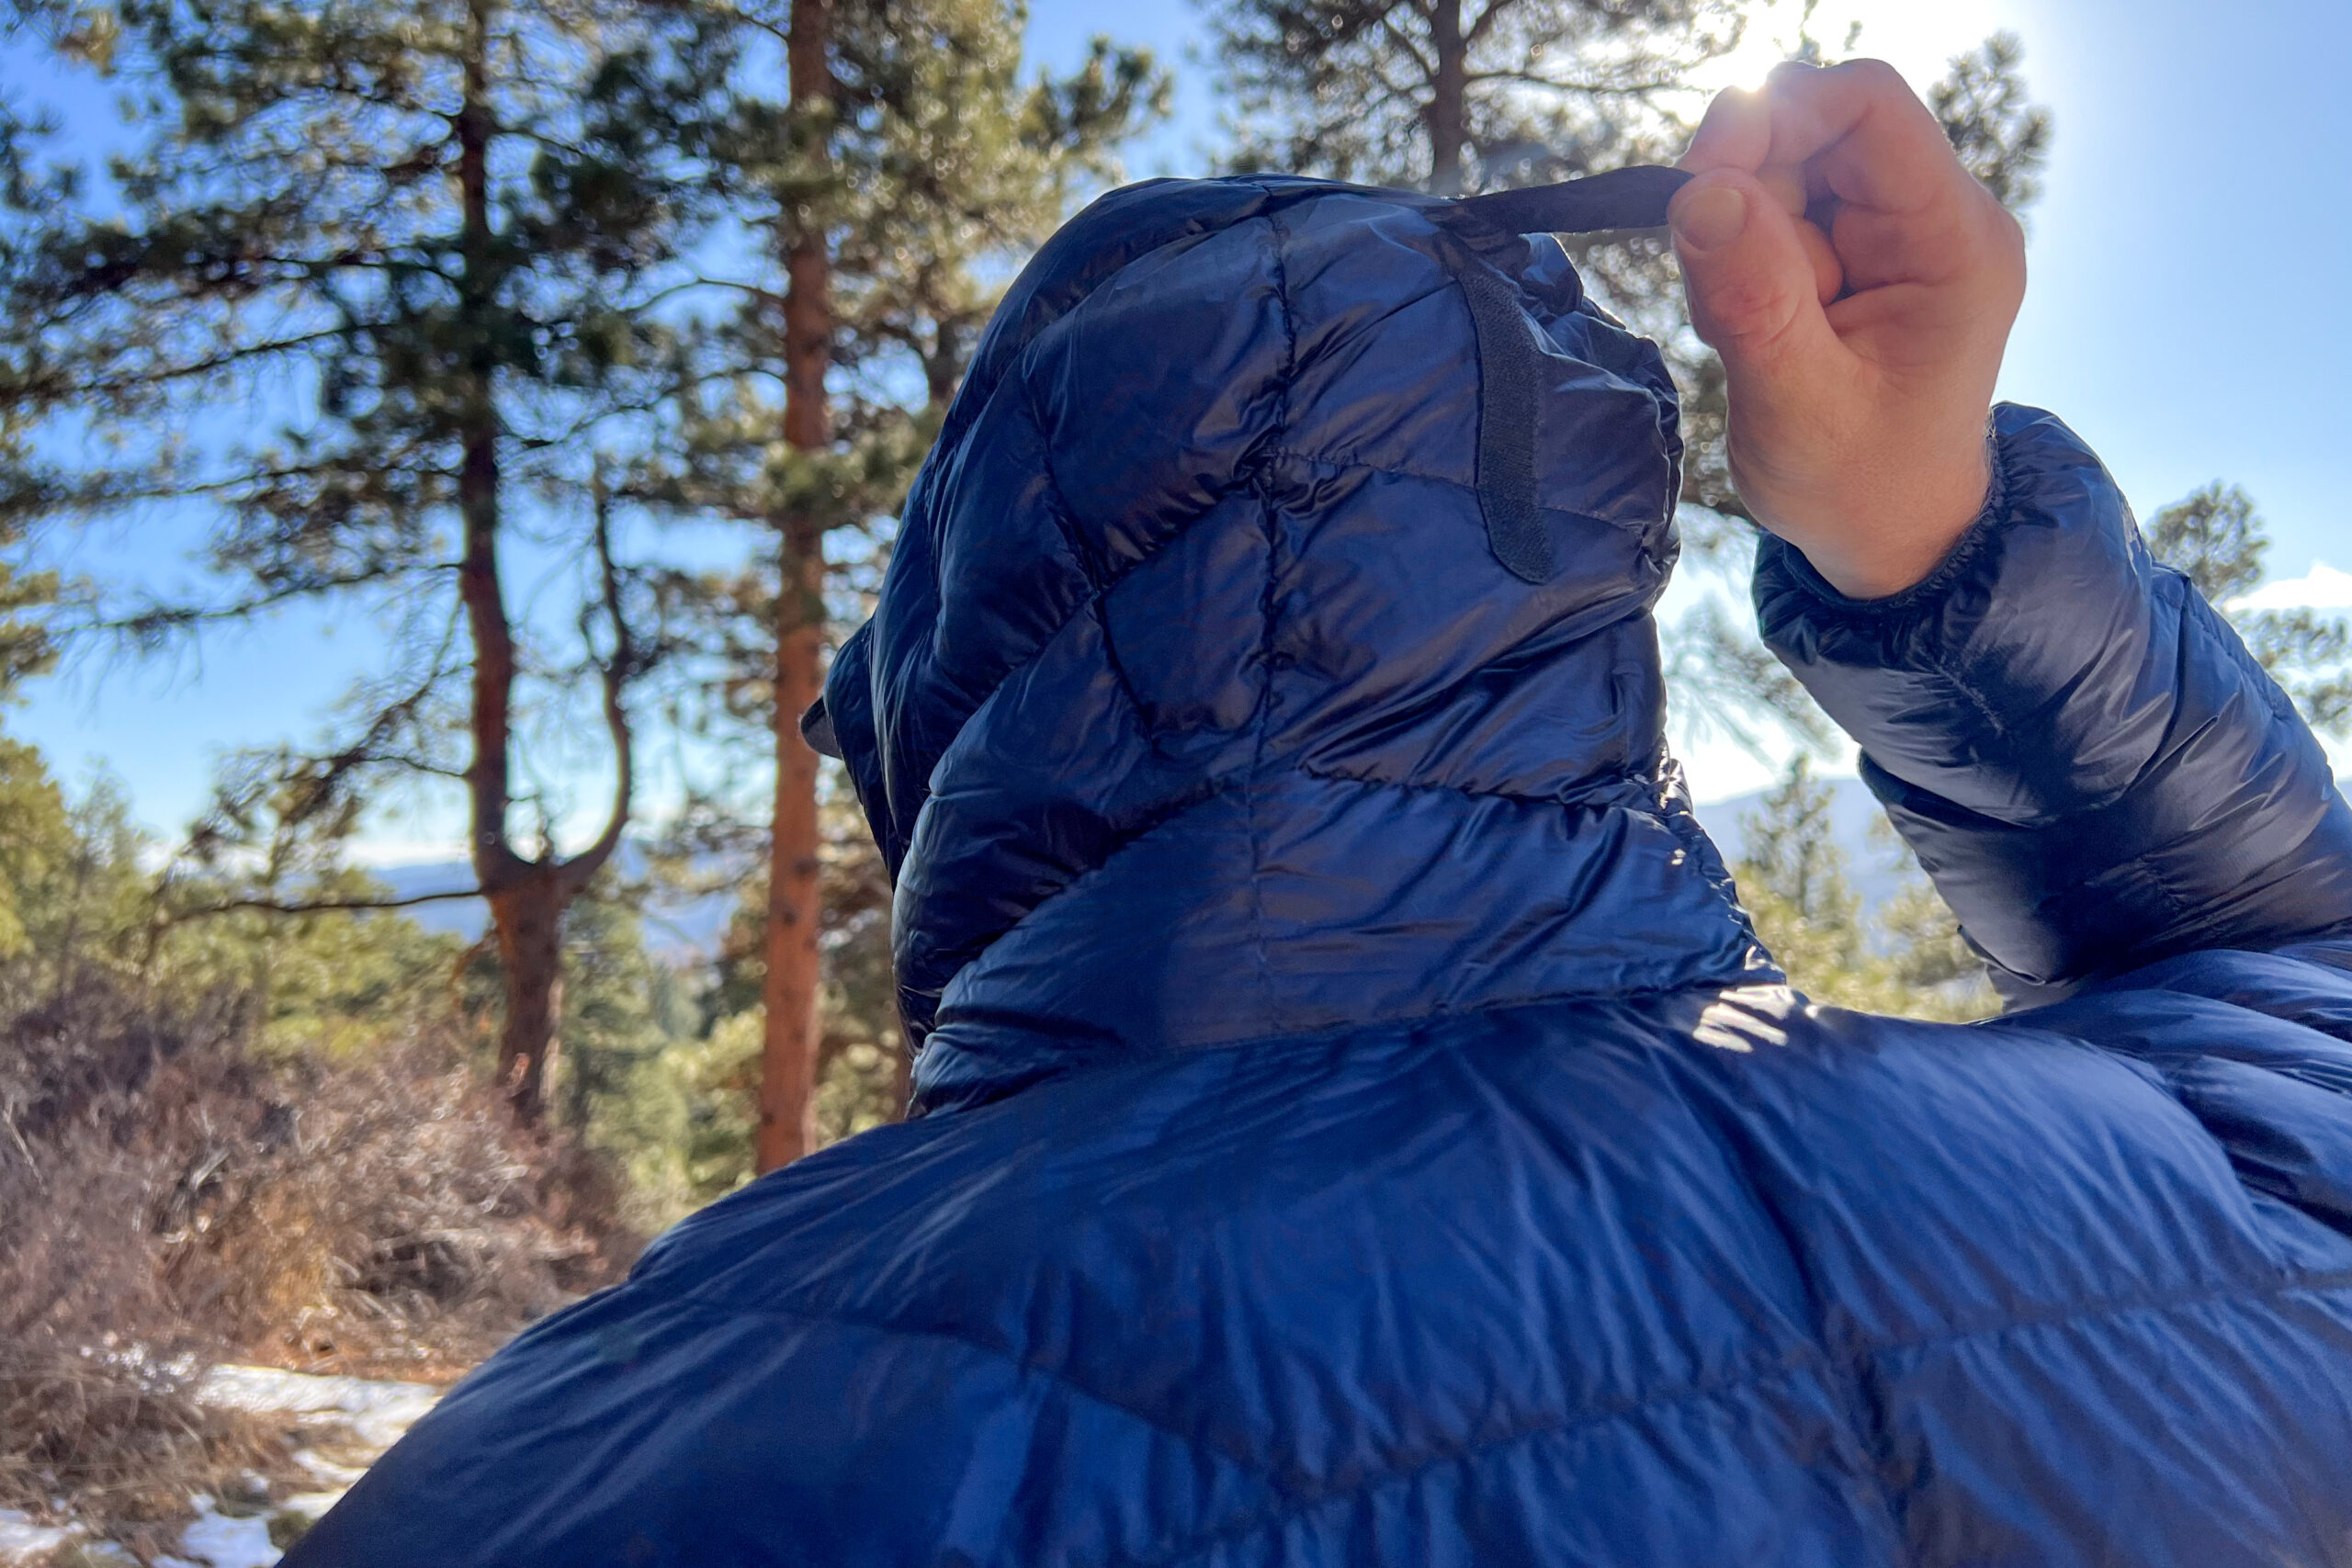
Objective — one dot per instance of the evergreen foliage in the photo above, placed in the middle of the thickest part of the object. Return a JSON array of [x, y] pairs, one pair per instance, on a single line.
[[884, 186], [1456, 97], [2216, 538], [1794, 881], [362, 304]]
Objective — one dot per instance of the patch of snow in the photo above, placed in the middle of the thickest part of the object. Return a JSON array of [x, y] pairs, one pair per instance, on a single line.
[[217, 1541], [326, 1470], [353, 1418], [377, 1413], [21, 1539], [311, 1505]]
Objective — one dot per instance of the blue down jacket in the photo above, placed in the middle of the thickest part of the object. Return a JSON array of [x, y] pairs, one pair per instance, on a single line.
[[1358, 1122]]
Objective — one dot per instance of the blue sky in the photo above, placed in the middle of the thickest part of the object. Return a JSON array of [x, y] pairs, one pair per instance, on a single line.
[[2190, 311]]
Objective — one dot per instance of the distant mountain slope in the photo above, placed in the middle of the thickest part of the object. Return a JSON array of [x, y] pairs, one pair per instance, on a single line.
[[688, 931], [1872, 861], [676, 931]]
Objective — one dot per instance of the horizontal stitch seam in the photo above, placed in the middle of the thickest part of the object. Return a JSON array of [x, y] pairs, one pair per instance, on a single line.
[[697, 1304], [1581, 802], [1185, 805], [2116, 1306], [1695, 1390], [1758, 1370], [1463, 1453], [1405, 1022], [1329, 462]]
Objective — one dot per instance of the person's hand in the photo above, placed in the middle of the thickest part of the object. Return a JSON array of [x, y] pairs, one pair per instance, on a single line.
[[1860, 287]]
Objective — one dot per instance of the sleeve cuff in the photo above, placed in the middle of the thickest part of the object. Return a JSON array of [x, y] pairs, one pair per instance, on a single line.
[[1930, 590]]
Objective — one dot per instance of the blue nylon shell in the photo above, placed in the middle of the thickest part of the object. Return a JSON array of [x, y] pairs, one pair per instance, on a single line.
[[1359, 1125]]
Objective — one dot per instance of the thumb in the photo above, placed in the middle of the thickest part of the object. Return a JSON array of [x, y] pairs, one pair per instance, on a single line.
[[1754, 286]]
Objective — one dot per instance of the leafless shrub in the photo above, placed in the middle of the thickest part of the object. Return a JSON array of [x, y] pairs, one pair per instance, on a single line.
[[168, 1200], [389, 1218]]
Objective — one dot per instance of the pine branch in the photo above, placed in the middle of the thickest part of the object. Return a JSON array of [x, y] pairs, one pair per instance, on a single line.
[[615, 673], [318, 905]]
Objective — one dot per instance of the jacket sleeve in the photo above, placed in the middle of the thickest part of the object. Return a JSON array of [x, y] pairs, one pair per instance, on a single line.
[[2086, 759]]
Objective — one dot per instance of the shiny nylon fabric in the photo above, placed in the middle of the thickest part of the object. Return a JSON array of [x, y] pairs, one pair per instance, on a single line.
[[1360, 1126], [1196, 610], [2085, 757]]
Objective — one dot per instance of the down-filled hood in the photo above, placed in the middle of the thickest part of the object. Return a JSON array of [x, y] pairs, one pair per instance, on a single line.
[[1267, 648]]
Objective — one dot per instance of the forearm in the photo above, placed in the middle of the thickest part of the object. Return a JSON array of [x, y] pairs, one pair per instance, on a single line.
[[2082, 753]]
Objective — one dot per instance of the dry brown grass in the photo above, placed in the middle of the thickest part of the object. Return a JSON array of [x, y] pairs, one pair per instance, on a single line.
[[168, 1200], [120, 1446], [394, 1223]]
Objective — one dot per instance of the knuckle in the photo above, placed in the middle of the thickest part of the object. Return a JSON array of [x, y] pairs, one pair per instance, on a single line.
[[2000, 238], [1875, 78], [2012, 232]]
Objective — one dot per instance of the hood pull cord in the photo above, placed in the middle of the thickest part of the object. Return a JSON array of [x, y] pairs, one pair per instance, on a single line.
[[1632, 198]]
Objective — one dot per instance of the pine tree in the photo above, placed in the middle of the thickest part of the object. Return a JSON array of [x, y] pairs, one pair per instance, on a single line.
[[2218, 540], [902, 170], [1794, 879], [1792, 876], [1454, 97], [374, 285]]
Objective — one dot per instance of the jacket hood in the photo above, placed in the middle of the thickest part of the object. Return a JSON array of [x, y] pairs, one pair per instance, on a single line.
[[1267, 647]]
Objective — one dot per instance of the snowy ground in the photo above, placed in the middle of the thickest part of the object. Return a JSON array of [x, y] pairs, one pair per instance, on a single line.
[[340, 1423]]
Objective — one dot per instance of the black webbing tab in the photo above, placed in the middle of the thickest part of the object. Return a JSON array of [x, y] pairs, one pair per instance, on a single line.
[[1510, 373], [1511, 362], [1631, 197]]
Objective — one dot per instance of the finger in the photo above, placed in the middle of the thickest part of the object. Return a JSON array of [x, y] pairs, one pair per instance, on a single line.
[[1735, 133], [1829, 271], [1857, 130], [1945, 244], [1754, 282]]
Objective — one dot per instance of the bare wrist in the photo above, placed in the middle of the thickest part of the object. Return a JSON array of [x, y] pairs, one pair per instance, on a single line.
[[1877, 562]]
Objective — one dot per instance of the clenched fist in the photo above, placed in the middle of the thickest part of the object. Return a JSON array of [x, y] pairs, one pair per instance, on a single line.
[[1860, 287]]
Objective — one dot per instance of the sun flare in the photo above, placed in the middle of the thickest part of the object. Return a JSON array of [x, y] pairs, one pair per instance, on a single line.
[[1917, 40]]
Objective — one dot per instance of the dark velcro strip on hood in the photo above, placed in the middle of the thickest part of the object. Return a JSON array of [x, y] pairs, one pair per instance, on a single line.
[[1510, 363], [1510, 373]]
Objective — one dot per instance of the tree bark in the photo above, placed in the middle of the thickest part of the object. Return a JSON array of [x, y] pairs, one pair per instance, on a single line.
[[1449, 92], [788, 1126], [527, 897], [526, 918]]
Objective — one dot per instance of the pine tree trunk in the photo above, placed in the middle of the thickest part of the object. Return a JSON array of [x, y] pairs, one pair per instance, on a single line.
[[527, 920], [788, 1079], [788, 1069], [526, 900], [1449, 92]]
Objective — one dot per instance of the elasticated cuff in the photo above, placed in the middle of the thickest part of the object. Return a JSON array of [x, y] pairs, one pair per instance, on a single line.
[[1930, 590]]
